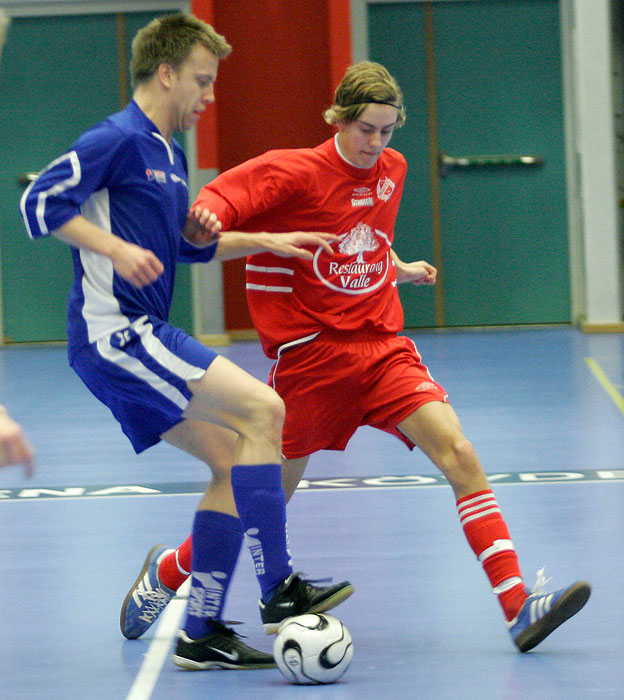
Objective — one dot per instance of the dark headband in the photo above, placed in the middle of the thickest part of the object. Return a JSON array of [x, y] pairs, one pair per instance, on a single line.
[[371, 100]]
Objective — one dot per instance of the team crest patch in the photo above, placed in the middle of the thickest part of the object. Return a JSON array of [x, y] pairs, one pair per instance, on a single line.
[[385, 188]]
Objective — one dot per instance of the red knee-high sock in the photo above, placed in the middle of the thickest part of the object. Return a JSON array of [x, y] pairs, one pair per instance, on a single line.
[[489, 538], [175, 568]]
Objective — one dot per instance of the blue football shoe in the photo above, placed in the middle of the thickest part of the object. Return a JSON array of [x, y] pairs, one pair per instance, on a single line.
[[147, 598], [543, 612]]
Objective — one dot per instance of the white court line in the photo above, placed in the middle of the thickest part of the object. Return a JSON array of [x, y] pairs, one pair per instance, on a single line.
[[158, 651]]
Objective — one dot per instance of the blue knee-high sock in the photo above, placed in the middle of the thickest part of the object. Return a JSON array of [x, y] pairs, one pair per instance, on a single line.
[[217, 540], [261, 505]]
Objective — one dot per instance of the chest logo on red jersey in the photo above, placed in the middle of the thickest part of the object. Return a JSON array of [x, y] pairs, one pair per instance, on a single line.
[[360, 263], [385, 188], [358, 241], [362, 197]]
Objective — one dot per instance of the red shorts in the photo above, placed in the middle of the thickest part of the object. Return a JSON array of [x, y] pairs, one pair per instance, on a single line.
[[339, 381]]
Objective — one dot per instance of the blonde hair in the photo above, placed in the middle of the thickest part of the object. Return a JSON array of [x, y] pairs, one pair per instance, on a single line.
[[170, 39], [365, 83]]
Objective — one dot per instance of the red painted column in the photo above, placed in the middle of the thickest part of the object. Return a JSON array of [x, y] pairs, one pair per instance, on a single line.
[[207, 137], [271, 91]]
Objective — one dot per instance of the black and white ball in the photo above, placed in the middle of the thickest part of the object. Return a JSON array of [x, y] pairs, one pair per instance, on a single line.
[[313, 648]]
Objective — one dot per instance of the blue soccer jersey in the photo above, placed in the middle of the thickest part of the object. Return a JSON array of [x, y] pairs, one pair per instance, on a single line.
[[123, 176]]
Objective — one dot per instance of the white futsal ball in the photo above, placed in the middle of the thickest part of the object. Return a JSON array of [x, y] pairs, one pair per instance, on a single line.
[[312, 648]]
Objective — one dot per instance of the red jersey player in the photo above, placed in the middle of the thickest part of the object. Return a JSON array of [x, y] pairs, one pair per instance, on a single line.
[[332, 325]]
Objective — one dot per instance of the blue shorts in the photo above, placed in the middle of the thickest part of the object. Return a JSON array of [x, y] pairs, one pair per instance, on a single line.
[[141, 374]]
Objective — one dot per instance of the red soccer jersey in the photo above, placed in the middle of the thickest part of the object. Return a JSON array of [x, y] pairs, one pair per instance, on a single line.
[[315, 189]]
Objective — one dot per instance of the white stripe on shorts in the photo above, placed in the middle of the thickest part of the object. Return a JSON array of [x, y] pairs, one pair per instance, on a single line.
[[162, 354], [136, 367]]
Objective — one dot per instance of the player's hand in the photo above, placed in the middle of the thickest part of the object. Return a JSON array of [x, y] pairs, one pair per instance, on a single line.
[[136, 265], [14, 447], [416, 273], [296, 244], [202, 227]]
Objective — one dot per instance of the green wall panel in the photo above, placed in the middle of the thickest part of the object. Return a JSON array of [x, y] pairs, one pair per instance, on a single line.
[[498, 91], [405, 59], [58, 77]]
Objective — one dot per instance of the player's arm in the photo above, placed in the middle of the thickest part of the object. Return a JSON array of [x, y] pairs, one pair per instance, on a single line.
[[297, 244], [241, 193], [14, 447], [203, 228], [134, 264], [417, 273]]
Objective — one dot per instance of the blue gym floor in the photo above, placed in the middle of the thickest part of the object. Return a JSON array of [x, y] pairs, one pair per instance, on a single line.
[[545, 411]]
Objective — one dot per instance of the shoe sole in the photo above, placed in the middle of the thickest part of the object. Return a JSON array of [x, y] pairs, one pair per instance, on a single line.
[[122, 615], [569, 604], [190, 665], [327, 604]]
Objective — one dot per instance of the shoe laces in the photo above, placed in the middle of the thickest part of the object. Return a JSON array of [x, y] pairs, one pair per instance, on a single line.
[[228, 635], [156, 600], [300, 577], [540, 582], [302, 588]]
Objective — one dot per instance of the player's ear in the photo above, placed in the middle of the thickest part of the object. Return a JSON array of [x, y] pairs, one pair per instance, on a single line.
[[165, 74]]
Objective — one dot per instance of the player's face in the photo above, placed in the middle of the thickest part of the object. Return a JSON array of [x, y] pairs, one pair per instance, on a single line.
[[363, 140], [193, 87]]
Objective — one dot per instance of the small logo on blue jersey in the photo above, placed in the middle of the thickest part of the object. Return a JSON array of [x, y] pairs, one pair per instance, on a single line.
[[156, 175], [177, 178]]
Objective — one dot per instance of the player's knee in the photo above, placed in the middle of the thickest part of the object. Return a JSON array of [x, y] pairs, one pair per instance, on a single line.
[[458, 461], [267, 413], [457, 455], [463, 469], [464, 453]]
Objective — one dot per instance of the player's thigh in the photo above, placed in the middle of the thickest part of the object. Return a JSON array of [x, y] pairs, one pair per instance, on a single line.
[[434, 427], [212, 444], [229, 396]]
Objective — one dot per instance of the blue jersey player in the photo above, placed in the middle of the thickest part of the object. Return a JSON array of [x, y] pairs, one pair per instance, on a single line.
[[119, 198]]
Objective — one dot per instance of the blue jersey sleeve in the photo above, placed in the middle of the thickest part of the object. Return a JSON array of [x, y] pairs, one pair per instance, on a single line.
[[191, 254], [57, 194]]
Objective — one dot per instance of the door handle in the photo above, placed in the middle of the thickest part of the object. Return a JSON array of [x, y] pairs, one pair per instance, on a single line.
[[447, 163], [26, 178]]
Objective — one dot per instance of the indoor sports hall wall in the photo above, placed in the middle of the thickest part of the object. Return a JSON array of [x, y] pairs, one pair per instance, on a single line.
[[502, 236], [270, 92], [59, 75], [481, 79]]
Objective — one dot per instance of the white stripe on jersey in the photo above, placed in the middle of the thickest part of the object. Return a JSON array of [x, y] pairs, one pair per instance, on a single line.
[[268, 288], [269, 270], [101, 310], [160, 137], [61, 186], [275, 270]]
